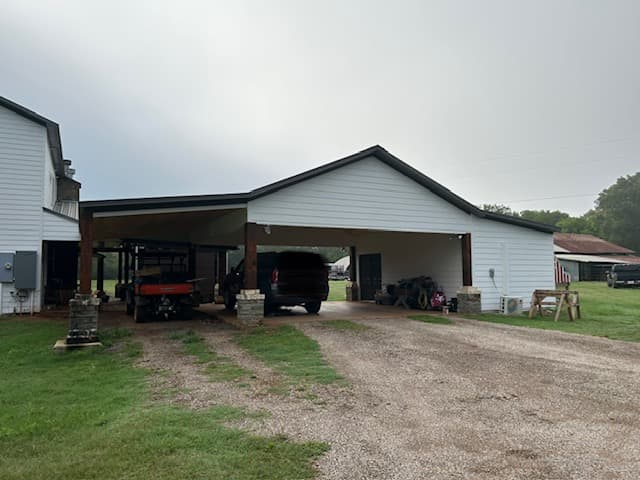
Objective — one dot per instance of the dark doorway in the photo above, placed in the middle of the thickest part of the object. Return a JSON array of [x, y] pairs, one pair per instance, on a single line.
[[61, 272], [370, 275]]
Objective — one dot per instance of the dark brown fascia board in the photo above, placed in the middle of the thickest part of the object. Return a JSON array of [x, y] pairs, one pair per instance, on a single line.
[[53, 131], [375, 151], [150, 203]]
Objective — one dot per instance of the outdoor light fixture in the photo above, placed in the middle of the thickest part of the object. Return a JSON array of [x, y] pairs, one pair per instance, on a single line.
[[267, 229]]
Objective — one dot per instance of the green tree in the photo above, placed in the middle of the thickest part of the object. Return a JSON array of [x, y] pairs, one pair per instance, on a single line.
[[549, 217], [498, 208], [617, 212]]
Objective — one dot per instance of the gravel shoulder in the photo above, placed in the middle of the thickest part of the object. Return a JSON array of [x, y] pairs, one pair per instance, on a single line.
[[468, 400]]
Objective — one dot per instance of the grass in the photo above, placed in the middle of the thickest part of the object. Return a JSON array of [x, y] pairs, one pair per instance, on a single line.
[[430, 319], [87, 415], [337, 291], [219, 368], [606, 312], [109, 286], [290, 352], [345, 325]]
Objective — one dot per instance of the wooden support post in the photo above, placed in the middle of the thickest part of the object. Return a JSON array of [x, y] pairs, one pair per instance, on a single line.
[[353, 264], [126, 263], [467, 279], [222, 266], [100, 274], [86, 250], [120, 267], [250, 256]]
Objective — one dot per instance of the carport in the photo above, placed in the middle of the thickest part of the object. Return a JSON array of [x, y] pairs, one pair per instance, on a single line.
[[397, 222]]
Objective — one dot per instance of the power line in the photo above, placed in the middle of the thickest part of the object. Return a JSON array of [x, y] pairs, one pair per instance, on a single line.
[[550, 198]]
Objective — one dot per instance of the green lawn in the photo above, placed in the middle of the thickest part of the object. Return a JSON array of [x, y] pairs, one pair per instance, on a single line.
[[605, 313], [219, 368], [88, 415], [337, 290], [290, 352], [109, 286]]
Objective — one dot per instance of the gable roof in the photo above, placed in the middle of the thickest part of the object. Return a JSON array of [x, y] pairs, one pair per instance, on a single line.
[[586, 244], [375, 151], [53, 131]]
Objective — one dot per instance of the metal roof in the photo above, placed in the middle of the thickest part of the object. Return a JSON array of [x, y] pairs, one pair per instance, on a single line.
[[375, 151], [587, 244], [574, 257]]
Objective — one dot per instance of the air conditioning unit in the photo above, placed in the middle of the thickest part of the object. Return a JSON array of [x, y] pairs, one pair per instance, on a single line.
[[510, 305]]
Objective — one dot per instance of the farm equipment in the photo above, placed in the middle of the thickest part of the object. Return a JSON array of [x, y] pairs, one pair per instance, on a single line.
[[161, 288]]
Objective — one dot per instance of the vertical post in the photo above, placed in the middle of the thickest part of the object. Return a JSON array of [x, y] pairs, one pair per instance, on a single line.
[[250, 256], [119, 266], [126, 263], [86, 250], [100, 273], [191, 266], [467, 279], [222, 266], [353, 264]]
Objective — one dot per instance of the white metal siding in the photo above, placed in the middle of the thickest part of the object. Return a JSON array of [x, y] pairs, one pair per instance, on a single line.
[[22, 169], [59, 228], [49, 181], [522, 260], [366, 194]]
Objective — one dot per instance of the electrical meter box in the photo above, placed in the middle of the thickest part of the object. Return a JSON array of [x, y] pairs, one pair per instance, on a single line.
[[6, 267], [25, 267]]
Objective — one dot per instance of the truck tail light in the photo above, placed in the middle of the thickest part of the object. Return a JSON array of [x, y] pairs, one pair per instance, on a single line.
[[274, 276]]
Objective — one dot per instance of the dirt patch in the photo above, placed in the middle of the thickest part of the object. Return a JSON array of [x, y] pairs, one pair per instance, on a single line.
[[469, 400]]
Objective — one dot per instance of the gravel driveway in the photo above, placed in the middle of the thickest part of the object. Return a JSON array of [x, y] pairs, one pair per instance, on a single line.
[[470, 400]]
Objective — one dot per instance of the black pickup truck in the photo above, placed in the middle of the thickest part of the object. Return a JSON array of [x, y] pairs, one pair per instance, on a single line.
[[624, 275], [286, 279]]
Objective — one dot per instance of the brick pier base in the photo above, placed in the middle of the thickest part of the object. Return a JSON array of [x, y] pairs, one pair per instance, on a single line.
[[469, 300], [83, 319], [250, 308]]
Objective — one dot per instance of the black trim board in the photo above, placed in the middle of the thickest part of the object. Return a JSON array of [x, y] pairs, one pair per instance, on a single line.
[[375, 151]]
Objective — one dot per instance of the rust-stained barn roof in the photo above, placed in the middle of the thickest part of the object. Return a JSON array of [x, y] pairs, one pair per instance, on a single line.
[[586, 244]]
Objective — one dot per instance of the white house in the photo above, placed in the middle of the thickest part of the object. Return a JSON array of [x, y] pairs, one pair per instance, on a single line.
[[39, 231]]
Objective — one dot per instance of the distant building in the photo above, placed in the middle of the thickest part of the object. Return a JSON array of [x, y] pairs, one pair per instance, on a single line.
[[39, 231], [587, 257]]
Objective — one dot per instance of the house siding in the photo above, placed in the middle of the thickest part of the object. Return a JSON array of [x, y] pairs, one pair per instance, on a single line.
[[522, 260], [60, 228], [22, 168], [365, 194]]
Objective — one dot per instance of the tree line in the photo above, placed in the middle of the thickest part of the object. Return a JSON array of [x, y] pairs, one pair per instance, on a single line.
[[614, 217]]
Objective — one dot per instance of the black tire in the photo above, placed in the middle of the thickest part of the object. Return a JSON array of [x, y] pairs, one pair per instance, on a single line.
[[229, 300], [140, 314], [312, 307], [186, 313]]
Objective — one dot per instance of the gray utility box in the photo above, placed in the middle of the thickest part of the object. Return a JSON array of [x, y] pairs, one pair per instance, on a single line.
[[25, 267], [6, 267]]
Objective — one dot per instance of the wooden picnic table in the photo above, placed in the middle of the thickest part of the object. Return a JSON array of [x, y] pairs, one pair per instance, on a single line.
[[568, 298]]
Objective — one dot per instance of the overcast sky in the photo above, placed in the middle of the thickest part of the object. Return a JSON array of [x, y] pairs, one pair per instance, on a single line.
[[531, 104]]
